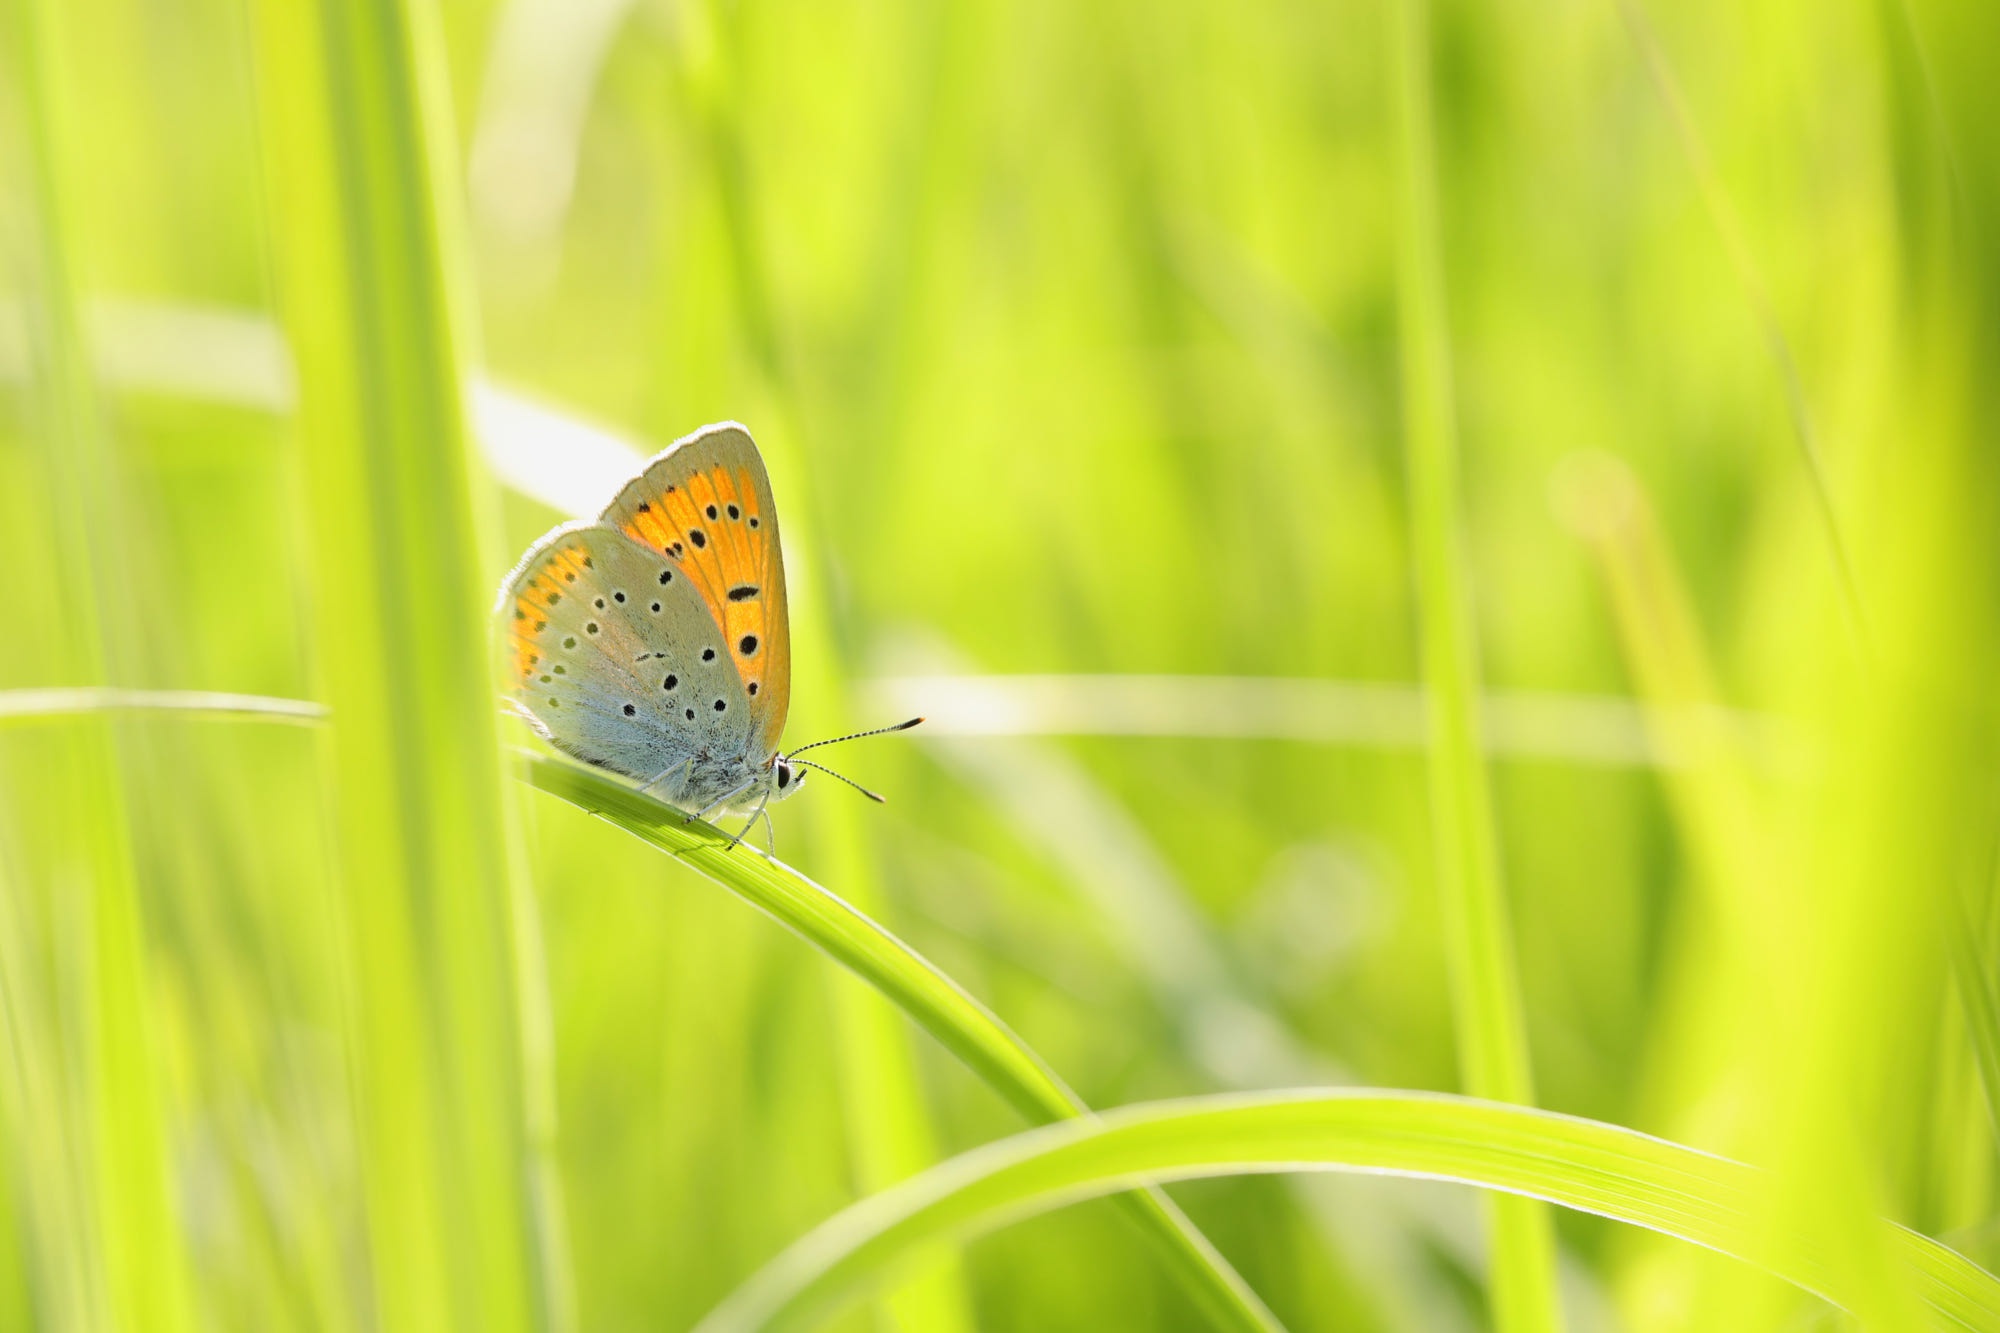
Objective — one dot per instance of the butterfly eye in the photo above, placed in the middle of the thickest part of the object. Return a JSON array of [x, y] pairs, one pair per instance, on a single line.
[[784, 776]]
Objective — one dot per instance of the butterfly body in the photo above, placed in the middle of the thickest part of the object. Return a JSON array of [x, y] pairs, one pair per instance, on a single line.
[[653, 641]]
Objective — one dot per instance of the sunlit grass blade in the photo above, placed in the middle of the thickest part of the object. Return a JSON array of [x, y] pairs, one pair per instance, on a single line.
[[361, 176], [1578, 728], [1976, 999], [932, 1000], [22, 707], [1478, 944], [47, 1163], [1582, 1164]]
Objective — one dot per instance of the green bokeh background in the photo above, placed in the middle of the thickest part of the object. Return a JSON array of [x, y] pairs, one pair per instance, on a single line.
[[1072, 336]]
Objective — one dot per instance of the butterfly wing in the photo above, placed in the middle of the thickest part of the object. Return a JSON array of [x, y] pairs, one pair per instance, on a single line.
[[613, 656], [705, 503]]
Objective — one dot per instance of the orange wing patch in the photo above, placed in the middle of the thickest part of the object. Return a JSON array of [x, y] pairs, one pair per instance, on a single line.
[[535, 600], [706, 504], [711, 524]]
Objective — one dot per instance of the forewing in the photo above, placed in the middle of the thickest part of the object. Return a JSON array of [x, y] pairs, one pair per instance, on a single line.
[[613, 655], [705, 503]]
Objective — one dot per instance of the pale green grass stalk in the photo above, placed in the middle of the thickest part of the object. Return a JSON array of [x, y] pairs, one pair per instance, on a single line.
[[25, 707], [1729, 229], [1575, 728], [1977, 1001], [131, 1251], [925, 995], [1582, 1164], [47, 1165], [1479, 951], [358, 152], [886, 1119], [1702, 1058]]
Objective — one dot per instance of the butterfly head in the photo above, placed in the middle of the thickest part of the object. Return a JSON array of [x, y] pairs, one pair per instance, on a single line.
[[788, 771]]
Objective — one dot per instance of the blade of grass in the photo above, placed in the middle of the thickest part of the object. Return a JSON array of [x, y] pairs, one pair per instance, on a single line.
[[1479, 951], [20, 707], [1582, 1164], [359, 166], [132, 1250], [1727, 226], [47, 1165], [912, 983], [886, 1120], [1580, 728], [1976, 999]]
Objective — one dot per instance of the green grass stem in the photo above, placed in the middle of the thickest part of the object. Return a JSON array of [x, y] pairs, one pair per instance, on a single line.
[[130, 1246], [886, 1120], [1749, 278], [1478, 945], [358, 149]]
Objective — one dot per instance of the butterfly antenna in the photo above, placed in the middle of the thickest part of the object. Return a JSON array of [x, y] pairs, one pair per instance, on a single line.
[[879, 731], [822, 768]]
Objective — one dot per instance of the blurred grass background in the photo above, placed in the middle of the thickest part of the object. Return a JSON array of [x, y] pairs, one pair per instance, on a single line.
[[1071, 335]]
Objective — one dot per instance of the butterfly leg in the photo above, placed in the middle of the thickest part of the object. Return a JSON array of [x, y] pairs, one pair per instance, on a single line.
[[753, 819], [770, 834]]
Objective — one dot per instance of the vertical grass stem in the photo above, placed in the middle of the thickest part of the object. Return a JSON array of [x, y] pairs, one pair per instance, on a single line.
[[1485, 990]]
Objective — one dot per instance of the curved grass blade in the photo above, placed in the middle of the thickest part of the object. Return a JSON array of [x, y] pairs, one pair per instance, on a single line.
[[1582, 1164], [931, 999]]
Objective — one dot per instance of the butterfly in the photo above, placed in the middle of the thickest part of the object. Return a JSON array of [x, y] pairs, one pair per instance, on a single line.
[[653, 640]]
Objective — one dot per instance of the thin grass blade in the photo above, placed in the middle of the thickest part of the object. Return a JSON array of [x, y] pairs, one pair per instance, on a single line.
[[1479, 950]]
